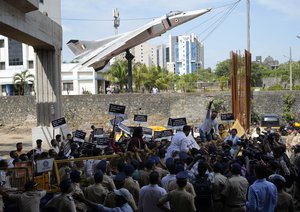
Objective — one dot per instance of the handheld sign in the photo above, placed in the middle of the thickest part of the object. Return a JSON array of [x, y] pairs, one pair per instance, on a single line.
[[147, 132], [116, 109], [176, 123], [124, 128], [119, 119], [79, 136], [88, 145], [165, 134], [102, 142], [61, 122], [44, 165], [98, 133], [140, 118], [227, 117]]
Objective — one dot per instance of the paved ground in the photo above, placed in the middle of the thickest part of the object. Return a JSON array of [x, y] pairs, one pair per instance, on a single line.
[[9, 136]]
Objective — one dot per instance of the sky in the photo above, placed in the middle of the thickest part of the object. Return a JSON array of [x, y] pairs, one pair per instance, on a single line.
[[274, 25]]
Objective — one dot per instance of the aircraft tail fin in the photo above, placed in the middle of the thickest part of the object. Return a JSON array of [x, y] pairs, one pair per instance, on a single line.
[[78, 46]]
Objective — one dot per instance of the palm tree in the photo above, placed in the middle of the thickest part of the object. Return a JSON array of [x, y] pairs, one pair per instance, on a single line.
[[118, 73], [21, 81]]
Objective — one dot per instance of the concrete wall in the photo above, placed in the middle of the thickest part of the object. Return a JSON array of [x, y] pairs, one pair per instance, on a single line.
[[84, 110]]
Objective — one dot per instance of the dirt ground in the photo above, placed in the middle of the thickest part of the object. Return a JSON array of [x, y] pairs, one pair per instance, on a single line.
[[11, 135]]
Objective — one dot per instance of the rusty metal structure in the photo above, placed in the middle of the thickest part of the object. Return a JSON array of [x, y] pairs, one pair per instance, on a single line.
[[241, 87]]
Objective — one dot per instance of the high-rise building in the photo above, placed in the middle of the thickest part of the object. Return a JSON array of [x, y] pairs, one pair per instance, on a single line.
[[16, 57], [186, 54]]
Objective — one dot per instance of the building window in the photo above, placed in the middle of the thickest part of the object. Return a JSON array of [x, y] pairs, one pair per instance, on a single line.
[[2, 43], [2, 65], [68, 86], [30, 64], [15, 52], [42, 1]]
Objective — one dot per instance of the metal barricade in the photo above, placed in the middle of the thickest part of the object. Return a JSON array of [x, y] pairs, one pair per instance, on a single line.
[[14, 178]]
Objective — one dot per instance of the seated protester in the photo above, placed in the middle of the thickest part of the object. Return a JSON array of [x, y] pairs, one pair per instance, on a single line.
[[234, 139], [284, 199], [223, 133], [63, 202], [122, 196], [28, 201]]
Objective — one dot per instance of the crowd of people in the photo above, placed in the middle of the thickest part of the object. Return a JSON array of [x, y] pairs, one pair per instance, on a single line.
[[221, 172]]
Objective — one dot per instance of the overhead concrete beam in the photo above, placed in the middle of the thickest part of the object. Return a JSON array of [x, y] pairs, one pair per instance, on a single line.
[[24, 5], [33, 28]]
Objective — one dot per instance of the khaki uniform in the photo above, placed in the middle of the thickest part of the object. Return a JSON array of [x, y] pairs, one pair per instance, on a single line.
[[62, 203], [235, 192], [162, 172], [133, 187], [296, 194], [96, 193], [180, 200], [144, 179], [284, 202], [108, 182], [189, 187], [110, 201], [28, 201], [80, 207], [218, 186]]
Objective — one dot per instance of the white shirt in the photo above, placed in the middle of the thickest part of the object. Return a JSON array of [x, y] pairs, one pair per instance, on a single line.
[[167, 179], [179, 143], [38, 150], [209, 123], [148, 198]]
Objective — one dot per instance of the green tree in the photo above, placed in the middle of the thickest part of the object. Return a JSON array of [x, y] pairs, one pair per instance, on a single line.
[[118, 74], [287, 114], [223, 68], [22, 81], [187, 82]]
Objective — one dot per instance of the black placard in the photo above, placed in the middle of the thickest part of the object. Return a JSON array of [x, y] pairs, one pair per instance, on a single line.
[[79, 136], [140, 118], [147, 132], [116, 109], [176, 122], [166, 133], [58, 122], [102, 142], [227, 117], [88, 145], [98, 133]]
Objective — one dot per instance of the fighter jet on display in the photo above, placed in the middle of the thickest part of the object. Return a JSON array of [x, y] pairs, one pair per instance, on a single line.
[[97, 53]]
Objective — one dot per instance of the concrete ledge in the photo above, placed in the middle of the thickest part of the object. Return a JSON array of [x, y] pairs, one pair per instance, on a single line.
[[24, 5], [33, 28]]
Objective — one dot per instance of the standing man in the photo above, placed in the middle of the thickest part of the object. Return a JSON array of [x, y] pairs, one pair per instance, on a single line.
[[210, 123], [150, 195], [180, 143], [19, 147], [262, 195], [179, 199], [235, 191], [39, 149]]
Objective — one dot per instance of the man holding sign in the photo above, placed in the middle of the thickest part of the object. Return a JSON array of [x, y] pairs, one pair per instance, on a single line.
[[210, 123]]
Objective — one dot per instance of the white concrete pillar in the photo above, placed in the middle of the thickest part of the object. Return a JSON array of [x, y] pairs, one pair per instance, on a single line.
[[48, 86]]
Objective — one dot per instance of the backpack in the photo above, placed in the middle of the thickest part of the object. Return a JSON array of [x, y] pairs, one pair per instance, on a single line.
[[204, 191]]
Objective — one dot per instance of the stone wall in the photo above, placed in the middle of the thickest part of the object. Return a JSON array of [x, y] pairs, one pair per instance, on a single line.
[[84, 110]]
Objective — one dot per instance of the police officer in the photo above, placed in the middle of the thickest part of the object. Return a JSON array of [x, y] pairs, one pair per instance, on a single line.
[[63, 202], [179, 199], [130, 184]]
